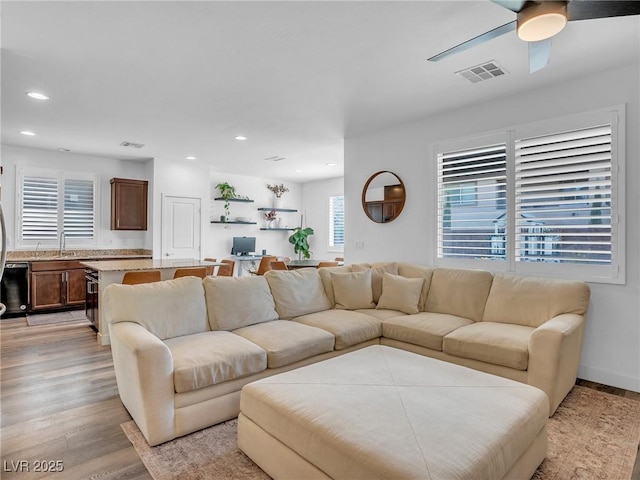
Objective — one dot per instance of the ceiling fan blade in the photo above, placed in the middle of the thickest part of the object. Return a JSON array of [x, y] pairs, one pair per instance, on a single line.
[[513, 5], [588, 9], [539, 54], [491, 34]]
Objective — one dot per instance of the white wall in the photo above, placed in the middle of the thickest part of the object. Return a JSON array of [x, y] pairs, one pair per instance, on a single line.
[[107, 168], [315, 207], [275, 242], [611, 352]]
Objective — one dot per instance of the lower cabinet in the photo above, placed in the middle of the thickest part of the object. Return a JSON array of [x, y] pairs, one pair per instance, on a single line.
[[57, 285]]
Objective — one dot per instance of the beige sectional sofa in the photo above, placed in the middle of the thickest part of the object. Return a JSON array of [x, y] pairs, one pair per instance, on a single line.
[[184, 348]]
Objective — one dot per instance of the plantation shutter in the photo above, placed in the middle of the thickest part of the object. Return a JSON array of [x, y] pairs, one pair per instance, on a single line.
[[472, 202], [336, 221], [563, 197], [79, 212], [39, 213]]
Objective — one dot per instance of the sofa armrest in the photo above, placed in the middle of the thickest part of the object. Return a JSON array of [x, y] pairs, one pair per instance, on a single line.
[[554, 356], [144, 373]]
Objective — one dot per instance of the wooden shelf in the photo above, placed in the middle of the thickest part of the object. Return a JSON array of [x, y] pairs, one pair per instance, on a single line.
[[245, 200], [268, 209], [235, 223], [276, 228]]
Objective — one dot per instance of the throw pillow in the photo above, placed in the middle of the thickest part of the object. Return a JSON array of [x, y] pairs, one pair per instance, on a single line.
[[353, 290], [399, 293], [297, 292], [377, 271]]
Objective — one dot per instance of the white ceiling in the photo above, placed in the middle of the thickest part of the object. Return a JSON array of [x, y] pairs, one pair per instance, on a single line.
[[296, 78]]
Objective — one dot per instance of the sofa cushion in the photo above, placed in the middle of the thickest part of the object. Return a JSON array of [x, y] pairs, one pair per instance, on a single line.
[[348, 327], [377, 272], [410, 270], [497, 343], [287, 342], [352, 290], [381, 314], [210, 358], [532, 301], [399, 293], [297, 292], [325, 276], [167, 309], [234, 302], [459, 292], [424, 329]]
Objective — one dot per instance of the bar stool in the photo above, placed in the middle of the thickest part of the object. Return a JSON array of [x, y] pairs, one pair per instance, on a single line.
[[278, 265], [327, 264], [264, 266], [190, 272], [211, 268], [141, 276]]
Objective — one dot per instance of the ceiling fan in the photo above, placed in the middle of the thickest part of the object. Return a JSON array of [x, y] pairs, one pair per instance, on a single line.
[[538, 21]]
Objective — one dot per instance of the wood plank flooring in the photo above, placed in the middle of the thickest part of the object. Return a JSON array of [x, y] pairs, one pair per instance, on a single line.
[[59, 402]]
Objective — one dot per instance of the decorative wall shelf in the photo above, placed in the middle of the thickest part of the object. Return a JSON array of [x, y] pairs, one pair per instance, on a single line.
[[235, 223], [276, 228], [245, 200], [268, 209]]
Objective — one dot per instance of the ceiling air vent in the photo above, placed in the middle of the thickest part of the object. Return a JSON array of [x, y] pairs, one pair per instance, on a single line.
[[132, 145], [275, 158], [481, 72]]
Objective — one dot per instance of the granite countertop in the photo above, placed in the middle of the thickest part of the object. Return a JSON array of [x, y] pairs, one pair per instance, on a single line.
[[48, 255], [145, 264]]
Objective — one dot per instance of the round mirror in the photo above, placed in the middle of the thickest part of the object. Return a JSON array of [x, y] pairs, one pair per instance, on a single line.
[[383, 197]]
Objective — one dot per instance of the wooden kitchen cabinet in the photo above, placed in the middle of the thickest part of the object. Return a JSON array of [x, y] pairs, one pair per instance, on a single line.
[[129, 204], [57, 285]]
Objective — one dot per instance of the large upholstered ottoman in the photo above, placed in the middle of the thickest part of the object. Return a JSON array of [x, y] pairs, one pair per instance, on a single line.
[[386, 413]]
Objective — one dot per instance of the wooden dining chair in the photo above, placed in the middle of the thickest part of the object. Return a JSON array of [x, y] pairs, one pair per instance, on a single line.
[[327, 264], [226, 270], [190, 272], [141, 276], [339, 259], [265, 265], [278, 265], [212, 267]]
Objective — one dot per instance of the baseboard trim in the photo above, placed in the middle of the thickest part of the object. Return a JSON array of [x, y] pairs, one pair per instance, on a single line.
[[609, 378]]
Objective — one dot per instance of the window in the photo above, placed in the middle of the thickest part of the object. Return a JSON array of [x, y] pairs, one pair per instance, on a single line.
[[543, 201], [53, 201], [336, 222]]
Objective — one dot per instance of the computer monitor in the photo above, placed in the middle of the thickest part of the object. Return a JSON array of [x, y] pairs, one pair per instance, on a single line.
[[243, 245]]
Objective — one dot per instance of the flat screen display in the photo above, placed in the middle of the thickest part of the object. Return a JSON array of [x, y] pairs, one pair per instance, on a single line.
[[243, 245]]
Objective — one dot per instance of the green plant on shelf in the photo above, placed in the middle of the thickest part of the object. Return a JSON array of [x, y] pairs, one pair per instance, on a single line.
[[227, 192]]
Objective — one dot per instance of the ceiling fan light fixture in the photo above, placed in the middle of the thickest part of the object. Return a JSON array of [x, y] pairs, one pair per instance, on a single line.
[[540, 21]]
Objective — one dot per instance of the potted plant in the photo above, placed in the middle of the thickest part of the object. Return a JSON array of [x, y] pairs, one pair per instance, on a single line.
[[300, 241], [277, 191], [227, 191], [270, 217]]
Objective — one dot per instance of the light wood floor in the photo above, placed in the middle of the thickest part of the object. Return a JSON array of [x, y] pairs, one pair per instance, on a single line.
[[59, 402]]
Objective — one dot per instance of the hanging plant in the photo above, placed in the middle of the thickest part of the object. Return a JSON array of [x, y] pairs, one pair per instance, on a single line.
[[227, 192]]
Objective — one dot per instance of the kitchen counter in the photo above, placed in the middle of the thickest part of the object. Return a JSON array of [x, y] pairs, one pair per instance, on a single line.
[[125, 265], [49, 255]]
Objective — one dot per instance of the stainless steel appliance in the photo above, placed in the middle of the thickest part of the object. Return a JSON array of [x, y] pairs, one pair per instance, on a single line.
[[14, 289], [91, 299]]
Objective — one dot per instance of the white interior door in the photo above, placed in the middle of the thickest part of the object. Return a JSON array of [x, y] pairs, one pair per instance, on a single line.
[[181, 227]]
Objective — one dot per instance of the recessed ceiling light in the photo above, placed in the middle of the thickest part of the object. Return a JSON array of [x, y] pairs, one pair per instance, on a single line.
[[38, 95], [190, 157], [64, 150], [28, 133], [298, 171], [240, 137], [331, 164]]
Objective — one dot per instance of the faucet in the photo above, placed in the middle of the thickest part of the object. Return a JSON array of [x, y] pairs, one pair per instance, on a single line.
[[62, 243], [37, 246]]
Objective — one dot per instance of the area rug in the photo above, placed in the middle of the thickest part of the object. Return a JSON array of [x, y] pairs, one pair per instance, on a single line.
[[593, 435], [58, 317]]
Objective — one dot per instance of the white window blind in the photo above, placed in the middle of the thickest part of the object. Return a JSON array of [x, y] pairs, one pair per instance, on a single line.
[[336, 221], [471, 202], [563, 197], [39, 212], [53, 202], [79, 211]]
